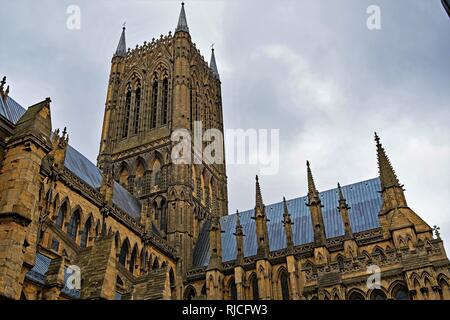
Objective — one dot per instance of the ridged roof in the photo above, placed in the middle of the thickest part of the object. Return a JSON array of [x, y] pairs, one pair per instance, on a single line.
[[363, 198], [81, 166]]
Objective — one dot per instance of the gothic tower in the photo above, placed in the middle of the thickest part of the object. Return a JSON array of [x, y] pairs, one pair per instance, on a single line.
[[157, 91]]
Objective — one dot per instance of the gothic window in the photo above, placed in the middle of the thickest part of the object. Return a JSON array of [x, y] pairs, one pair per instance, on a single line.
[[85, 234], [137, 109], [61, 214], [124, 252], [123, 175], [254, 287], [126, 119], [202, 184], [377, 295], [133, 260], [400, 293], [55, 245], [72, 229], [232, 289], [155, 264], [104, 231], [189, 293], [341, 263], [154, 112], [356, 296], [445, 290], [172, 283], [144, 261], [165, 101], [163, 221], [284, 283], [156, 174]]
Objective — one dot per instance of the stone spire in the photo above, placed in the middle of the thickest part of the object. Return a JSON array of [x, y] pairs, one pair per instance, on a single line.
[[4, 93], [122, 46], [239, 234], [261, 224], [182, 22], [259, 203], [213, 65], [315, 208], [287, 222], [343, 210], [313, 194], [387, 175]]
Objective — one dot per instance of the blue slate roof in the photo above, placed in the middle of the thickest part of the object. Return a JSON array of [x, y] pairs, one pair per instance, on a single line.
[[39, 271], [91, 174], [80, 165], [363, 198], [11, 110]]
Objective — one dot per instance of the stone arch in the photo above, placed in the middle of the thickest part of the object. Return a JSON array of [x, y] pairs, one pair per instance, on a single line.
[[123, 173], [398, 290], [335, 294], [63, 214], [444, 287], [155, 264], [124, 252], [284, 284], [378, 294], [133, 259], [73, 226], [231, 289], [356, 294], [189, 293], [254, 287]]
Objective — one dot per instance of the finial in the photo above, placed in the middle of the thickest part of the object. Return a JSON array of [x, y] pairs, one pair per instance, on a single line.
[[307, 163], [124, 24], [377, 138], [436, 232], [7, 91], [341, 196], [257, 178]]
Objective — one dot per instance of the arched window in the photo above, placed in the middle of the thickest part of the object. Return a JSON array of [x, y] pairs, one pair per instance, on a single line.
[[165, 101], [61, 214], [163, 216], [189, 293], [123, 176], [233, 290], [254, 287], [133, 258], [156, 173], [127, 112], [356, 296], [144, 261], [445, 290], [155, 264], [104, 231], [377, 294], [172, 283], [72, 229], [124, 252], [400, 292], [284, 285], [154, 112], [137, 108], [85, 234], [341, 263]]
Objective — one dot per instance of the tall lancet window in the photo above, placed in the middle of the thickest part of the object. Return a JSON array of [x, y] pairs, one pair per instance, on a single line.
[[126, 120], [165, 101], [154, 112], [137, 108]]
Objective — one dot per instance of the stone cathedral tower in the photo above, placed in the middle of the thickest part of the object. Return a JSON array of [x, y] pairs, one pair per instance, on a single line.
[[155, 89]]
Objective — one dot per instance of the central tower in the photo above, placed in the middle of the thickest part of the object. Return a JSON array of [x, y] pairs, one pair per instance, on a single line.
[[153, 90]]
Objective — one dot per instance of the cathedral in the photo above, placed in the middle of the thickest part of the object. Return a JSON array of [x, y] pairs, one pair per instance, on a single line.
[[138, 226]]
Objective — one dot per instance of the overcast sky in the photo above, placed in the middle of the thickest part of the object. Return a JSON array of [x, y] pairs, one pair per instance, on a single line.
[[309, 68]]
